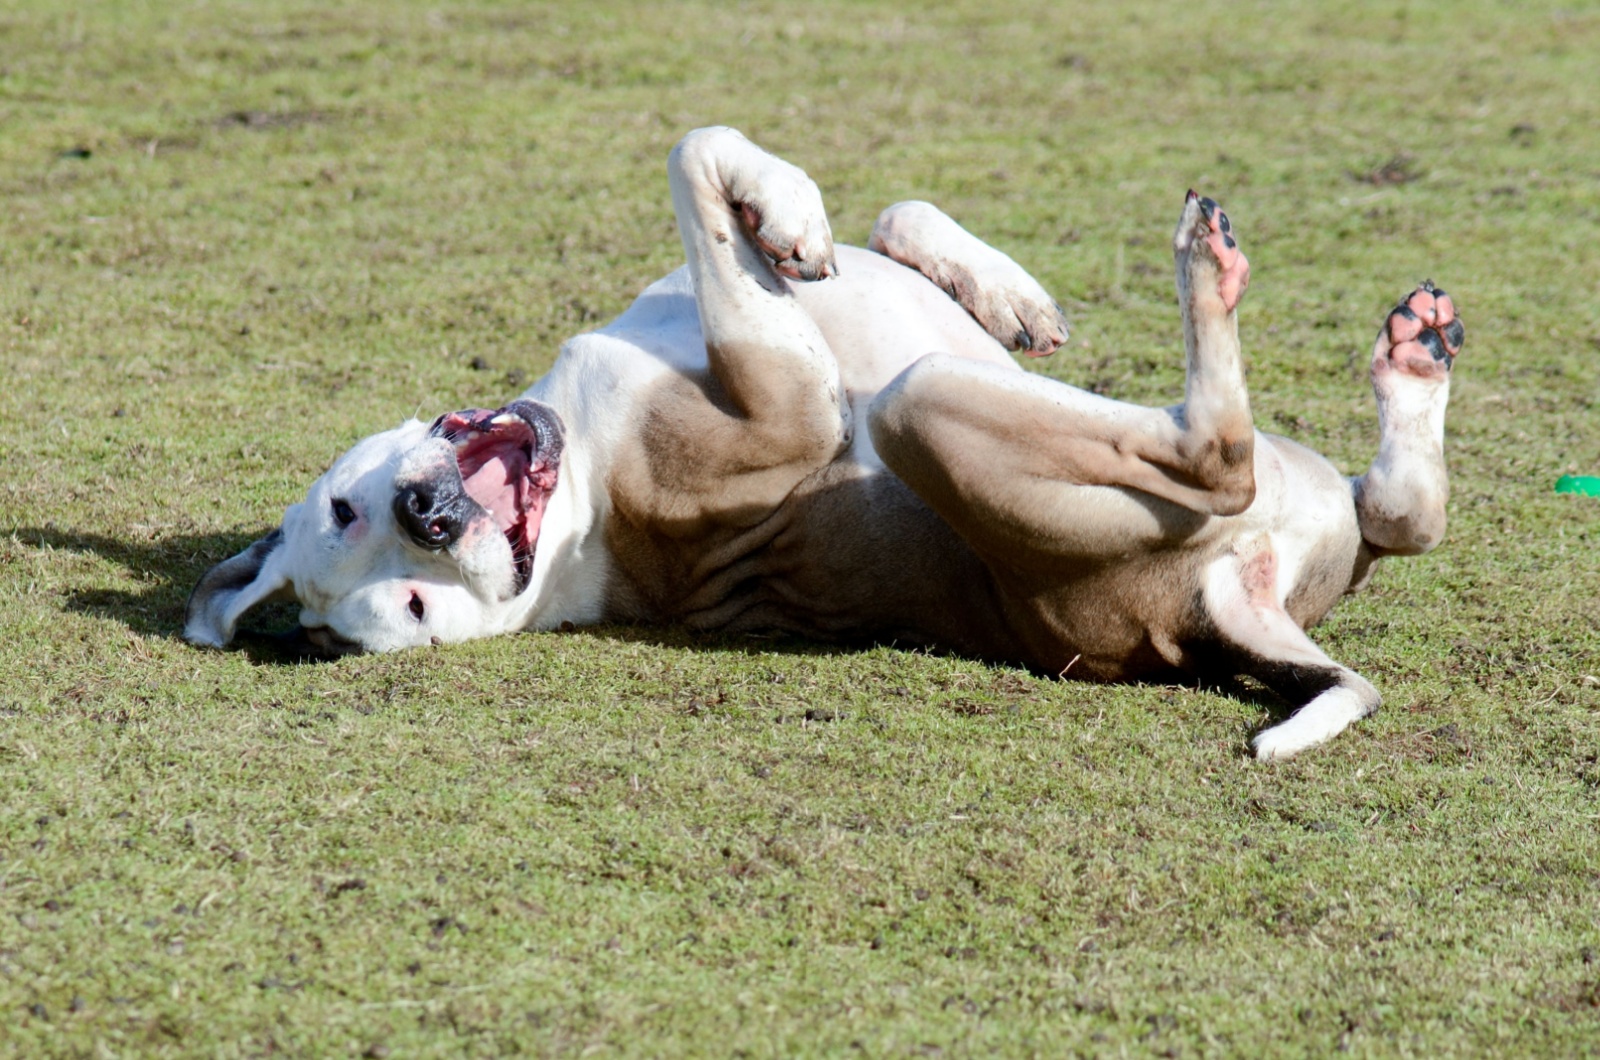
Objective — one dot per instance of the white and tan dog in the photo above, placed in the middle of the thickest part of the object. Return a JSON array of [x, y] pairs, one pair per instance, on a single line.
[[775, 438]]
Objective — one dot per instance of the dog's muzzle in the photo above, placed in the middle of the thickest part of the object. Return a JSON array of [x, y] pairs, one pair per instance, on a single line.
[[506, 463]]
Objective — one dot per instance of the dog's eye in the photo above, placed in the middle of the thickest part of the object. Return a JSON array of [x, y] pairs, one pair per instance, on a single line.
[[343, 512], [417, 608]]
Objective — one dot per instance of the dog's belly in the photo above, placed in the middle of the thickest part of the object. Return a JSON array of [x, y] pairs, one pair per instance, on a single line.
[[851, 554], [879, 316]]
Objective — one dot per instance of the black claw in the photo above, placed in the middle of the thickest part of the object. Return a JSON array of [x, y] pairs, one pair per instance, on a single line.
[[1022, 341], [1208, 207], [1431, 342], [1454, 334]]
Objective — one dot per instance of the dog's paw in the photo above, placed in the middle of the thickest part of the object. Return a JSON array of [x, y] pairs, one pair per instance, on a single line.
[[776, 205], [798, 242], [781, 210], [1205, 246], [1421, 337], [1316, 723], [1011, 306], [1009, 303]]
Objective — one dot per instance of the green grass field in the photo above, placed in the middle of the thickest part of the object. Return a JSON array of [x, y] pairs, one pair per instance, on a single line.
[[238, 236]]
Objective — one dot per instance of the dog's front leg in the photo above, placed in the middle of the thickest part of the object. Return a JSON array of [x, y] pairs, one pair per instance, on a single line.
[[748, 220]]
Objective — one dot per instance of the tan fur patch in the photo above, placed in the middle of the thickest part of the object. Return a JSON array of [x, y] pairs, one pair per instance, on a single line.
[[842, 557]]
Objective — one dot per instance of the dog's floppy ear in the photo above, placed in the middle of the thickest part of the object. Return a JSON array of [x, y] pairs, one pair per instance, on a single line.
[[234, 586]]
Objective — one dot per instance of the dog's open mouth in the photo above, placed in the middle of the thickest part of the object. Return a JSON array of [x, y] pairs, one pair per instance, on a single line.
[[509, 460]]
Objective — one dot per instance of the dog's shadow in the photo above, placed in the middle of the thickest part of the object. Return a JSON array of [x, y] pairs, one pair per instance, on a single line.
[[170, 567], [167, 569]]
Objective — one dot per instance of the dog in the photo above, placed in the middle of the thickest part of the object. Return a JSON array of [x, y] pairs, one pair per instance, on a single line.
[[835, 443]]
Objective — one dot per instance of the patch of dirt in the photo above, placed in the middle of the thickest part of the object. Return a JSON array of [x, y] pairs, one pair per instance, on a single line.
[[262, 120], [1401, 169]]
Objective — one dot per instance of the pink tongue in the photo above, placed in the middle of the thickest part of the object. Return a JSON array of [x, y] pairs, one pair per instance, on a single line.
[[493, 485]]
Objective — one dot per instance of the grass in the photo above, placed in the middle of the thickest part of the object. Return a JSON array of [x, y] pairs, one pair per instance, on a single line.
[[239, 236]]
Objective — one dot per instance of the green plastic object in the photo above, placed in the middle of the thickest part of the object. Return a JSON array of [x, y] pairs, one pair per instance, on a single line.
[[1583, 485]]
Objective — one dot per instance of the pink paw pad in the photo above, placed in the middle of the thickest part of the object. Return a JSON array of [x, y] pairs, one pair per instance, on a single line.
[[1231, 262], [790, 259], [1424, 332]]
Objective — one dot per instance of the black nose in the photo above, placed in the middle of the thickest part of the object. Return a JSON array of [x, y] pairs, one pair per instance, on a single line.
[[430, 518]]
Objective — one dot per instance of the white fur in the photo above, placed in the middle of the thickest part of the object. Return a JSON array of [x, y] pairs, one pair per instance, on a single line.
[[874, 333], [1317, 722]]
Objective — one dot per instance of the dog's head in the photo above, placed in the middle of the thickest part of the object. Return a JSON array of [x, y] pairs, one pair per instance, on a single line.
[[419, 534]]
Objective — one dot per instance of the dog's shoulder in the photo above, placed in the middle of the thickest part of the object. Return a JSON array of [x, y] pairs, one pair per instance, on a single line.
[[603, 385], [600, 376]]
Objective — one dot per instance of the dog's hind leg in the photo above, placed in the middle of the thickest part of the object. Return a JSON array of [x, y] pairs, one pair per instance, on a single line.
[[1001, 454], [999, 293], [1256, 636], [1400, 501]]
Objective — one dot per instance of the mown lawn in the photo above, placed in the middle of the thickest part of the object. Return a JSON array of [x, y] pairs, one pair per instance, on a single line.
[[238, 236]]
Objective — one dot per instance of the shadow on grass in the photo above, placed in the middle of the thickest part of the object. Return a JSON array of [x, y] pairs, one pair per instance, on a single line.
[[172, 565], [1243, 690]]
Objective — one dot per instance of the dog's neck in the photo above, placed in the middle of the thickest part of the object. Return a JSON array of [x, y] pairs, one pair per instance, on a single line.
[[570, 566]]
